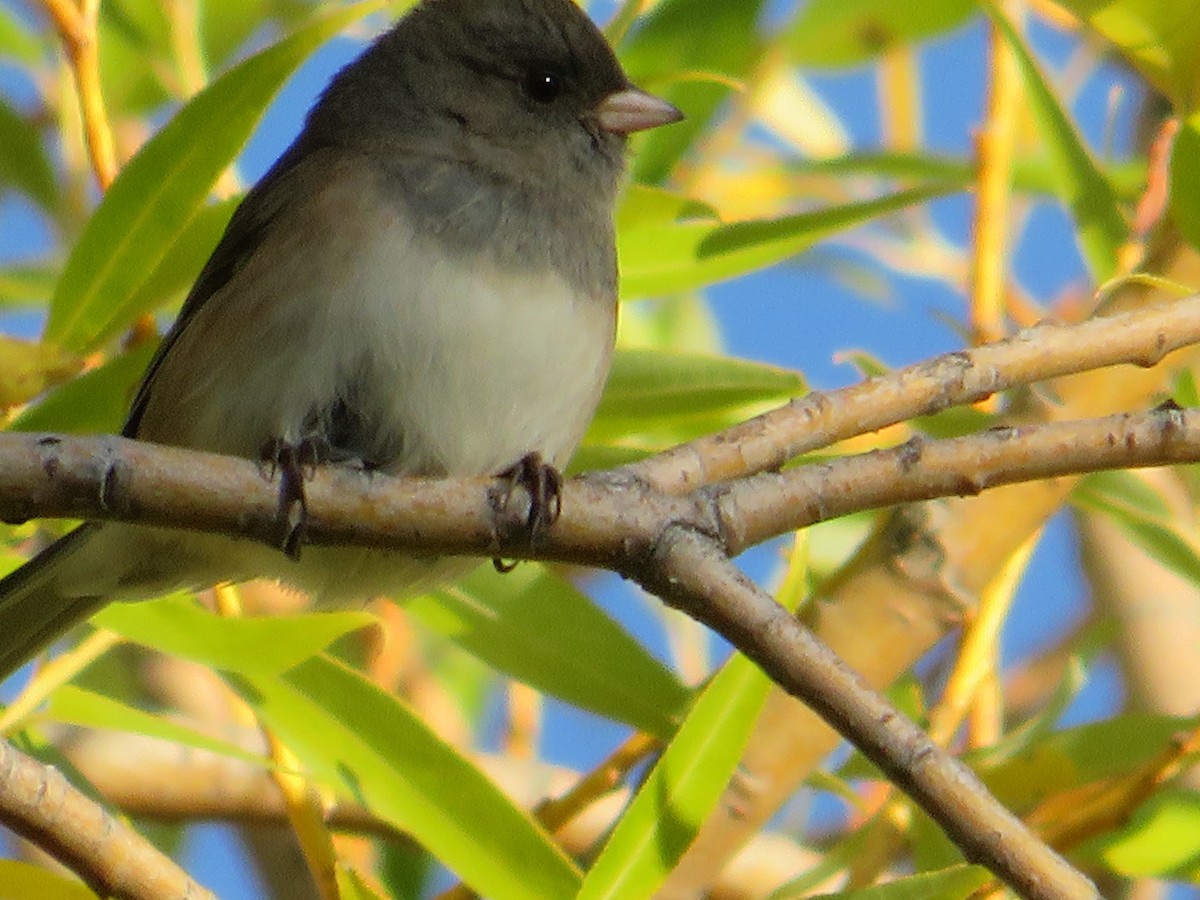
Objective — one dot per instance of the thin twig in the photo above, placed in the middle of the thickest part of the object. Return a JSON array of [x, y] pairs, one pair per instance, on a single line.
[[39, 804], [301, 802], [756, 509], [974, 666], [994, 154], [77, 30], [1067, 819], [689, 571], [1046, 351], [898, 84], [601, 781], [53, 675], [978, 663]]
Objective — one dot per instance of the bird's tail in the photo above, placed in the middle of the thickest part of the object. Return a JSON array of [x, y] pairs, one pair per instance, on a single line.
[[34, 607]]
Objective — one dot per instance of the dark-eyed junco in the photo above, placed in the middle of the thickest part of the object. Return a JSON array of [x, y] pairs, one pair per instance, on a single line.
[[424, 283]]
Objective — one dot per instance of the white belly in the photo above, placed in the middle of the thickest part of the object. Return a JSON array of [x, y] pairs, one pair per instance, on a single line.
[[488, 366]]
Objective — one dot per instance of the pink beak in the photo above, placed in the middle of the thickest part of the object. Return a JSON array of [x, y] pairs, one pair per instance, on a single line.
[[632, 109]]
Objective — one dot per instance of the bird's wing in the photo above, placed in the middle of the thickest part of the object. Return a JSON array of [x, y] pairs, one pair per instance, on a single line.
[[246, 230]]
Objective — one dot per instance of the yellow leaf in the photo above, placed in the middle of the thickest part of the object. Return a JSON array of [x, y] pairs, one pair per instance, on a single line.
[[27, 369]]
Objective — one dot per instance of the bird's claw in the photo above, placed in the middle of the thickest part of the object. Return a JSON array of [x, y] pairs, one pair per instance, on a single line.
[[543, 483], [293, 463]]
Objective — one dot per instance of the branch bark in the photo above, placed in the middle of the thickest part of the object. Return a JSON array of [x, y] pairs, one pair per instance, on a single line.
[[39, 804], [925, 564], [689, 573], [643, 522], [1142, 337], [677, 547], [608, 520]]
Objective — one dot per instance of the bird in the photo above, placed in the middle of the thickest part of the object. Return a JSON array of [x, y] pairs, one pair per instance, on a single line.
[[423, 284]]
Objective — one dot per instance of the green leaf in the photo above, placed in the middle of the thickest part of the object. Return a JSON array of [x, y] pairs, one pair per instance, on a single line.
[[1122, 492], [682, 323], [540, 629], [680, 792], [1185, 179], [227, 25], [77, 706], [658, 260], [136, 58], [94, 403], [723, 36], [21, 881], [1162, 840], [145, 23], [1159, 37], [849, 32], [355, 738], [165, 184], [403, 868], [648, 381], [177, 269], [954, 883], [1164, 544], [1185, 391], [931, 849], [650, 386], [867, 364], [1076, 756], [1143, 516], [28, 368], [1033, 174], [17, 40], [643, 205], [955, 422], [656, 399], [912, 167], [351, 886], [26, 285], [264, 645], [1102, 229], [23, 162]]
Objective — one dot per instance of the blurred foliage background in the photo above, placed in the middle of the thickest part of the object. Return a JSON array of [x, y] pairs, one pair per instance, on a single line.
[[878, 179]]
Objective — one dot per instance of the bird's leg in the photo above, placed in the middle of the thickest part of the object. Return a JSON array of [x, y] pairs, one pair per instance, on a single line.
[[543, 482], [293, 463]]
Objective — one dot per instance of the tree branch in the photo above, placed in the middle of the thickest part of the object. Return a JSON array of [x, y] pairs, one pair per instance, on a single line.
[[922, 567], [76, 26], [39, 804], [690, 573], [1049, 350], [669, 544], [639, 521], [758, 508], [608, 520]]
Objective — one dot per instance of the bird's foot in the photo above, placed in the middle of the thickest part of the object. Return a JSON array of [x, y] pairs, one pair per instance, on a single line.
[[293, 463], [543, 483]]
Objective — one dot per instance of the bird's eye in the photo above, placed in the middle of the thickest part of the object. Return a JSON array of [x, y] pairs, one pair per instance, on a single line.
[[542, 85]]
